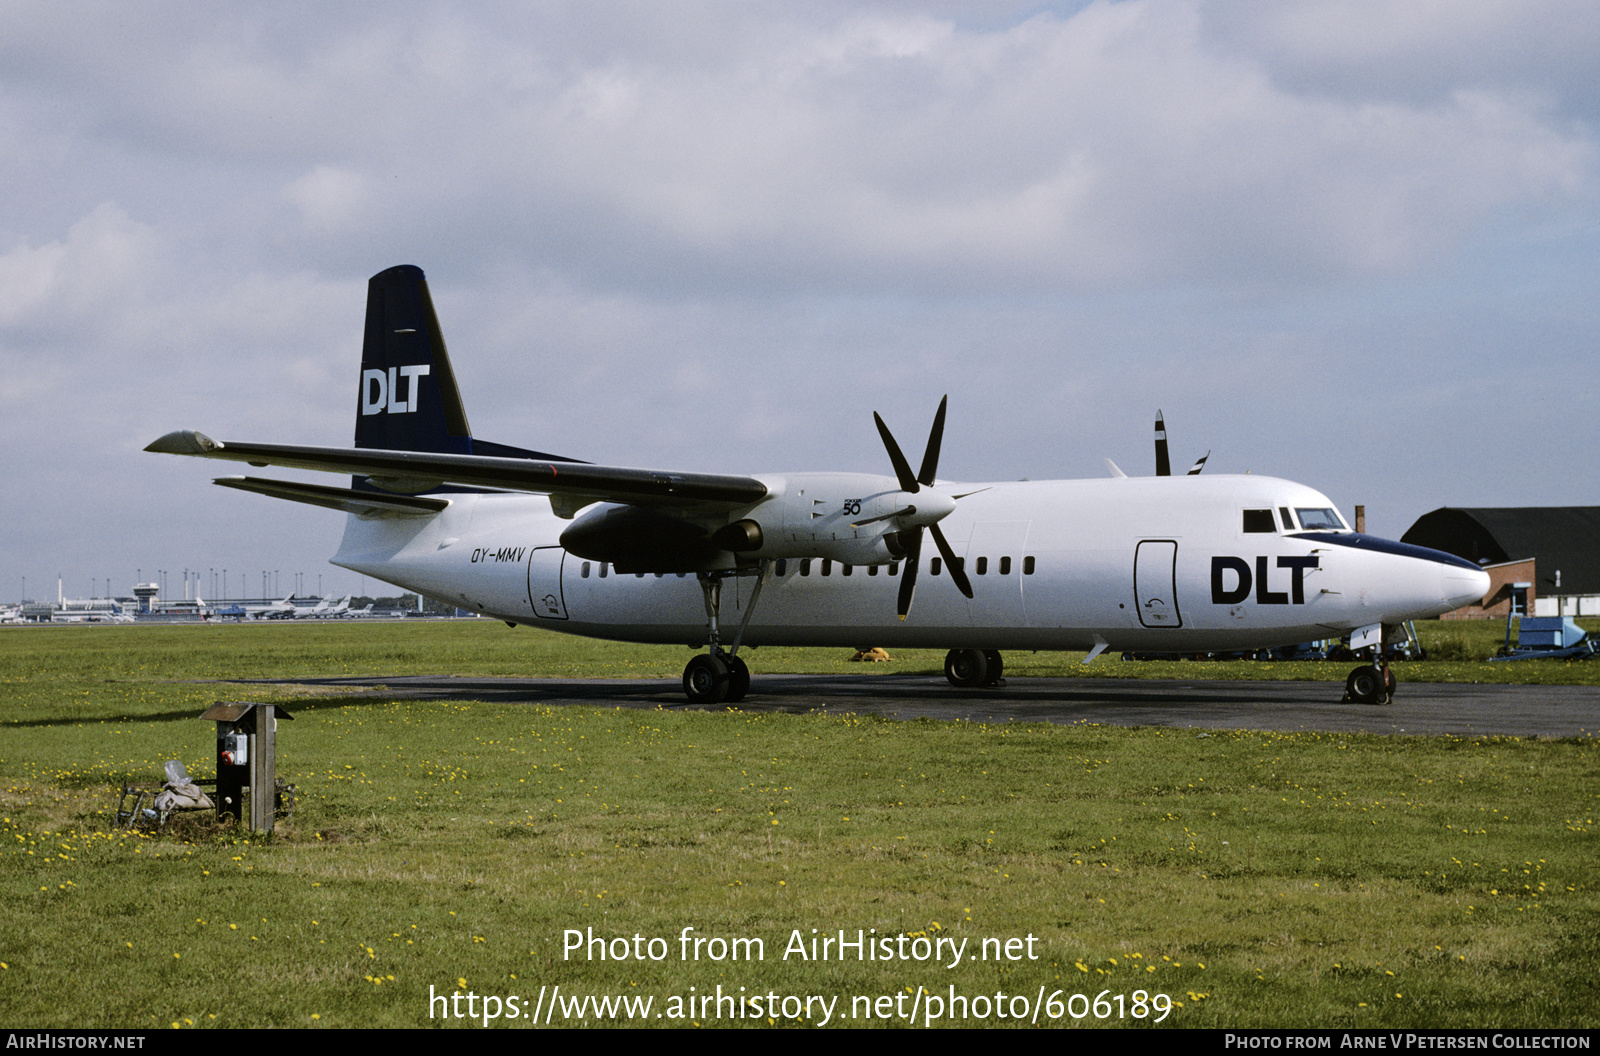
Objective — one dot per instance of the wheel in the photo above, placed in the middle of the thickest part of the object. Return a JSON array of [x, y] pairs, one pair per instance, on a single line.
[[966, 667], [738, 679], [705, 679], [997, 667], [1366, 685]]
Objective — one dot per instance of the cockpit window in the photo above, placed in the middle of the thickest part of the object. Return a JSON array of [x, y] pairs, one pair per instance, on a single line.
[[1259, 521], [1319, 520]]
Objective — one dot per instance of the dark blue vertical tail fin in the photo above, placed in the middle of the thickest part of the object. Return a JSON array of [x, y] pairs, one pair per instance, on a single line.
[[408, 400]]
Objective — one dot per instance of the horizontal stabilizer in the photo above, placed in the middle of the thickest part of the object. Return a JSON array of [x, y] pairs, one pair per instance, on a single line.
[[346, 499]]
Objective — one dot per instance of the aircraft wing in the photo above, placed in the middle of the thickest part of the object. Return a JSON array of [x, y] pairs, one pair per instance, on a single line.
[[575, 483]]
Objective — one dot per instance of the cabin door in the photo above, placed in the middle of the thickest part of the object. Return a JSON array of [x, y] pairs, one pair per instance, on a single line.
[[1155, 583], [544, 582]]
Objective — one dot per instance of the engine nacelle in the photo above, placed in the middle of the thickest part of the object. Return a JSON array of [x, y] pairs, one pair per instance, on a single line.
[[642, 539], [854, 518]]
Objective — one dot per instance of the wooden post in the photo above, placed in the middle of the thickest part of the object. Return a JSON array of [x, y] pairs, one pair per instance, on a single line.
[[264, 770]]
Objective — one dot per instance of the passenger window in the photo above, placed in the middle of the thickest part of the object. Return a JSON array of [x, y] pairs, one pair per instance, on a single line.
[[1005, 566], [827, 565], [603, 570], [894, 568], [585, 573], [1027, 565], [1258, 521], [805, 566], [933, 567], [845, 570], [983, 566], [872, 570], [783, 565]]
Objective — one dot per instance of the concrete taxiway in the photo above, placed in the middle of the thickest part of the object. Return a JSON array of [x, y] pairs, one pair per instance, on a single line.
[[1418, 708]]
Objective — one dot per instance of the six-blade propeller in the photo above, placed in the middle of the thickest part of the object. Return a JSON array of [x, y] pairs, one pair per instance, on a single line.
[[910, 536]]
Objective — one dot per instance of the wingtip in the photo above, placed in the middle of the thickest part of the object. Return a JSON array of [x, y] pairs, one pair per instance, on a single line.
[[184, 442]]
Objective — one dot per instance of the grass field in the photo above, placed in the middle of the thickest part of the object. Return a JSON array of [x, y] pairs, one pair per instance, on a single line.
[[1205, 879]]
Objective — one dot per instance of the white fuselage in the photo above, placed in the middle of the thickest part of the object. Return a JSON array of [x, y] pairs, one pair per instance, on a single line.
[[1153, 563]]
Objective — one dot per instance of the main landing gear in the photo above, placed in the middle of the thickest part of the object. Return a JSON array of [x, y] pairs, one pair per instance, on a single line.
[[716, 677], [970, 668], [719, 676]]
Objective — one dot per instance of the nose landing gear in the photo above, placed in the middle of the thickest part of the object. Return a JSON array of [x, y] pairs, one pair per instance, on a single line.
[[1370, 684], [1374, 683]]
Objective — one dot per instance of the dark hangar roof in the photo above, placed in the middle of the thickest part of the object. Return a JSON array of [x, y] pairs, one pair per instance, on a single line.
[[1563, 539]]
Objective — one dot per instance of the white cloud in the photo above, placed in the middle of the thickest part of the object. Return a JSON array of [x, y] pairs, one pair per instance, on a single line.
[[331, 200], [1143, 141], [82, 283], [1120, 144], [1420, 49]]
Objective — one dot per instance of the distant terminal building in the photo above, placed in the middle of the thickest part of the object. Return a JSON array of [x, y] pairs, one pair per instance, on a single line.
[[1541, 560]]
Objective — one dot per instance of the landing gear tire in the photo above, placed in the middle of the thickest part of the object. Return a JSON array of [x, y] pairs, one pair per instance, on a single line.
[[706, 679], [966, 668], [1369, 685], [738, 679], [997, 668]]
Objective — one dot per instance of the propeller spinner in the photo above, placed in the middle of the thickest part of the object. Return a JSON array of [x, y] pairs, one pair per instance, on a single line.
[[925, 514]]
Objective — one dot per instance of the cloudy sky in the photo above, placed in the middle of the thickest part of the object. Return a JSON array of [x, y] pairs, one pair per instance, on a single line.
[[1348, 242]]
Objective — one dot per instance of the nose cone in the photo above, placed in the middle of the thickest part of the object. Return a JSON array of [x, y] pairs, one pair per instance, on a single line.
[[1401, 581], [1464, 586]]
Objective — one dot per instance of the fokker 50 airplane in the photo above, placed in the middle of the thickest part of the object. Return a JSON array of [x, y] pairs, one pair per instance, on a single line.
[[1172, 564]]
